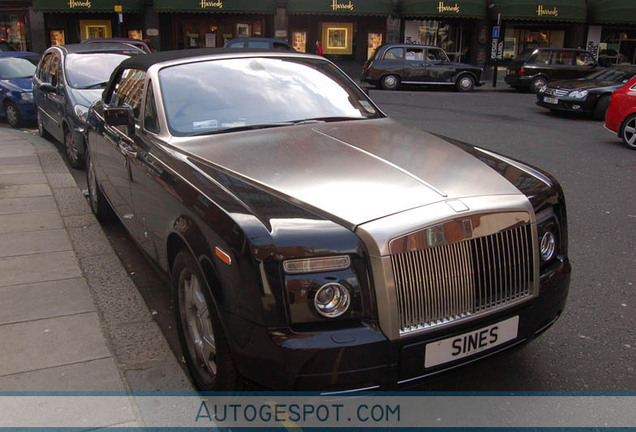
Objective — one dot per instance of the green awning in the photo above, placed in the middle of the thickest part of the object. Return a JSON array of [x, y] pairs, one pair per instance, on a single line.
[[547, 10], [612, 12], [340, 7], [443, 9], [216, 6], [87, 5]]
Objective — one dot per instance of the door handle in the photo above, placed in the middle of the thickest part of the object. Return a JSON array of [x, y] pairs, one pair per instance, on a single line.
[[126, 149]]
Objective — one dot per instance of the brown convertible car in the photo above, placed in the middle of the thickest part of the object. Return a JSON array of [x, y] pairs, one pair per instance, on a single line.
[[312, 242]]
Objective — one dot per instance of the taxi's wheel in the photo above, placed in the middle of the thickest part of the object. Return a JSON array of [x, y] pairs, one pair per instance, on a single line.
[[205, 346], [72, 152], [13, 115], [465, 83], [537, 84], [390, 82], [601, 107], [629, 132]]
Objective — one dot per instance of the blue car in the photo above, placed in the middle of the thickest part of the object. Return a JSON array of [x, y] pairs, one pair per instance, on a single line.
[[16, 86]]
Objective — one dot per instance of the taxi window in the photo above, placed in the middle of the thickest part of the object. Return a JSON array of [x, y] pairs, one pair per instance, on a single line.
[[394, 54], [415, 54]]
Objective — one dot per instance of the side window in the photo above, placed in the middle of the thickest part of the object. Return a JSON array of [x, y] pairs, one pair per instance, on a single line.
[[129, 90], [435, 55], [50, 71], [584, 59], [151, 121], [394, 54], [415, 54], [562, 57], [542, 57]]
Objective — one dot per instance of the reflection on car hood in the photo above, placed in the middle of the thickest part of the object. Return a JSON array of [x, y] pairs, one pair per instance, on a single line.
[[354, 171], [86, 97], [18, 84], [583, 84]]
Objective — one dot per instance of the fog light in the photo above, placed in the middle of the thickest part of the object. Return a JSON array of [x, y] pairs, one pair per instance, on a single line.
[[576, 107], [548, 246], [332, 300]]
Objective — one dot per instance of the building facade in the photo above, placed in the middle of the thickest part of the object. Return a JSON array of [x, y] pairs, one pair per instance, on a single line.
[[345, 29]]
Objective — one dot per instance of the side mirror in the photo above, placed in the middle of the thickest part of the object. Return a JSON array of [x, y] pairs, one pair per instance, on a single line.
[[47, 88], [121, 116]]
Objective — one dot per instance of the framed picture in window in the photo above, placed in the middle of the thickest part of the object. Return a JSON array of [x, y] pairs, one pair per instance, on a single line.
[[57, 37], [135, 34], [337, 38], [374, 41], [299, 41], [95, 29], [242, 30]]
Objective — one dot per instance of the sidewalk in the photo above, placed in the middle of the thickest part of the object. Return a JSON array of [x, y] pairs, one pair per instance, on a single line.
[[71, 319]]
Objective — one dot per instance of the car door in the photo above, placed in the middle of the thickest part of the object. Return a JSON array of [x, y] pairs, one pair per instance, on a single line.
[[583, 65], [438, 66], [50, 104], [112, 148], [414, 65]]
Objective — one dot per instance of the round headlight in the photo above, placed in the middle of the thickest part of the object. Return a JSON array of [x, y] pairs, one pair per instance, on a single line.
[[548, 246], [332, 300]]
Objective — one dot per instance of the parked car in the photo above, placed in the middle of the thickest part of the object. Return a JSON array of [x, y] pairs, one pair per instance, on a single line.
[[5, 46], [16, 86], [142, 45], [589, 95], [395, 64], [621, 114], [312, 242], [67, 81], [532, 70], [259, 43]]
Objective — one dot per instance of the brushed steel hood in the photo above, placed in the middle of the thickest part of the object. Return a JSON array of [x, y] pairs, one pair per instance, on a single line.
[[355, 171]]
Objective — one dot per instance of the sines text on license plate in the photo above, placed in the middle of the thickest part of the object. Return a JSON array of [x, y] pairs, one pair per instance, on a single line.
[[467, 344], [550, 100]]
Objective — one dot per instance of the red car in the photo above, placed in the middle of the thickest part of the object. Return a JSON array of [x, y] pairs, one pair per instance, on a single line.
[[621, 114]]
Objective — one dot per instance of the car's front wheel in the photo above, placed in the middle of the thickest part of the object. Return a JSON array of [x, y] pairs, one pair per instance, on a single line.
[[628, 133], [205, 346], [537, 84], [465, 83], [601, 107], [73, 155], [13, 115], [390, 82]]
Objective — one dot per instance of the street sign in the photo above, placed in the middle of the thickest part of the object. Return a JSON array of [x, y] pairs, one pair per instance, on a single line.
[[495, 31]]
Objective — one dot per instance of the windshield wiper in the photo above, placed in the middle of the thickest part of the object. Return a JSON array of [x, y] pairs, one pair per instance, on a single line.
[[242, 128], [90, 86], [326, 119]]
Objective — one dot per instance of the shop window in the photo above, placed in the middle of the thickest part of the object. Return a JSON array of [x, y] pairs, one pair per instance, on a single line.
[[243, 30], [57, 37], [12, 33], [95, 29], [374, 41], [299, 41], [135, 34], [337, 38]]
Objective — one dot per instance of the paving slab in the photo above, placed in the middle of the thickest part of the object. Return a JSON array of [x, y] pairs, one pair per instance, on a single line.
[[35, 268], [22, 222], [46, 343], [27, 205], [97, 375], [22, 178], [20, 169], [25, 191], [18, 160], [34, 242], [16, 149], [42, 300]]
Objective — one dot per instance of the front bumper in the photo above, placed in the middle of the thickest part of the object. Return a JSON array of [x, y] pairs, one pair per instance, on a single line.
[[363, 358], [565, 104]]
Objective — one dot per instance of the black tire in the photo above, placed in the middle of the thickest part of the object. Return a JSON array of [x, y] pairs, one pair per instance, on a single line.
[[41, 130], [538, 83], [390, 82], [601, 107], [75, 158], [465, 83], [13, 115], [96, 199], [204, 344], [628, 132]]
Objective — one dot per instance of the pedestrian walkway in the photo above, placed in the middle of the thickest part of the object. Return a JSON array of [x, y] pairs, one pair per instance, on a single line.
[[71, 318]]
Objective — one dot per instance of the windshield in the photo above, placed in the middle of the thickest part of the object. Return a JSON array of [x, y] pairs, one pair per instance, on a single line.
[[18, 67], [248, 93], [91, 70], [612, 75]]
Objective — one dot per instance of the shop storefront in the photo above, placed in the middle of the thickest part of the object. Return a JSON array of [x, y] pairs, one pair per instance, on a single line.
[[14, 25], [210, 23], [613, 30], [71, 21], [345, 29], [452, 25], [532, 24]]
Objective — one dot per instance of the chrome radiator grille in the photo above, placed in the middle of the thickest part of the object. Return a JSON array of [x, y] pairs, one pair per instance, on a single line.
[[454, 281]]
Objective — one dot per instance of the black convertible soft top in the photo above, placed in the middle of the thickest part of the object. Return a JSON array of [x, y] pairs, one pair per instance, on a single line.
[[143, 62]]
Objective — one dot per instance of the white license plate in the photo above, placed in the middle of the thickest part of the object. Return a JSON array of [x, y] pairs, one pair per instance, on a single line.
[[550, 100], [467, 344]]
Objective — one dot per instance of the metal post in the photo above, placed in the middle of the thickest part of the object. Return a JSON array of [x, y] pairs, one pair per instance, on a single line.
[[496, 59]]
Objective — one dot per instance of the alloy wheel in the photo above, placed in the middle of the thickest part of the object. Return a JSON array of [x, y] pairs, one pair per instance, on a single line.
[[71, 149], [197, 325], [629, 133], [13, 117]]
